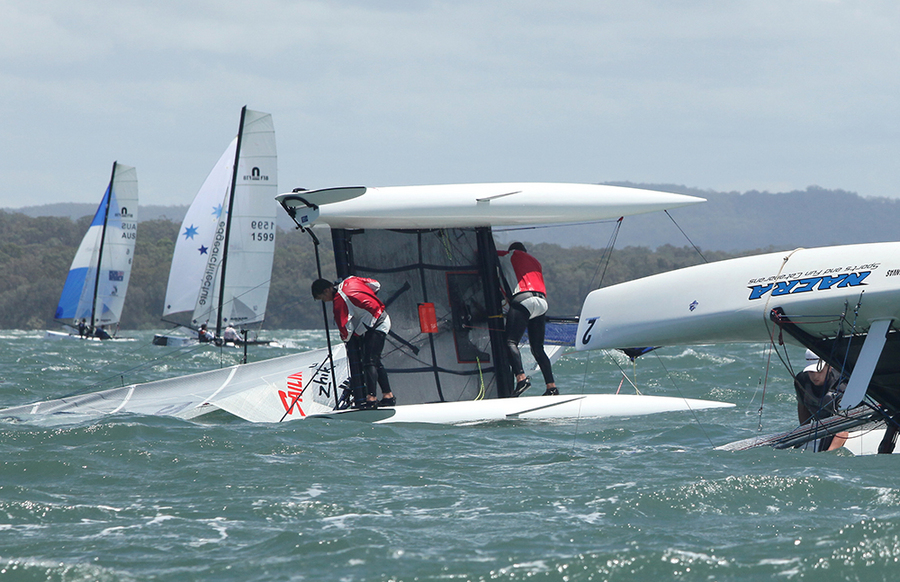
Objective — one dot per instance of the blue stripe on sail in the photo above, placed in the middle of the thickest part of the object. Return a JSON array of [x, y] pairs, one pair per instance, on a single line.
[[101, 210], [71, 294]]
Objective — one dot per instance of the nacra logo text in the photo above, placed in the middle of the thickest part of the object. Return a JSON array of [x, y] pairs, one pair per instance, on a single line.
[[809, 284]]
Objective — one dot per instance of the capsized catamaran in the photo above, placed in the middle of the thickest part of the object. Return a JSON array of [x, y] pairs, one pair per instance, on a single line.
[[222, 264], [97, 282], [429, 245], [432, 250], [841, 302]]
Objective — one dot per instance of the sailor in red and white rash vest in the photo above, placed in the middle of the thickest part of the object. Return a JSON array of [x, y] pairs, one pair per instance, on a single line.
[[361, 317], [527, 306]]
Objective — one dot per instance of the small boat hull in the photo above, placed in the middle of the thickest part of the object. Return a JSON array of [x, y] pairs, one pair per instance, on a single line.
[[526, 408]]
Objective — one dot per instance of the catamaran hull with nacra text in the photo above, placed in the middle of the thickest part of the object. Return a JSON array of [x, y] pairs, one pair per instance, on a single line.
[[841, 302]]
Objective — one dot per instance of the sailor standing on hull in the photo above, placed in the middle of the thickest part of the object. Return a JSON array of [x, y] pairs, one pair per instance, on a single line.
[[361, 316], [527, 305]]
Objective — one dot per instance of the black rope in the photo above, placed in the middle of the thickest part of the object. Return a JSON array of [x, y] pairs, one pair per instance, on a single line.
[[607, 255], [686, 236], [693, 412]]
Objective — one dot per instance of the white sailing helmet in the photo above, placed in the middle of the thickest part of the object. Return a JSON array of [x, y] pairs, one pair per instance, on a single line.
[[813, 363]]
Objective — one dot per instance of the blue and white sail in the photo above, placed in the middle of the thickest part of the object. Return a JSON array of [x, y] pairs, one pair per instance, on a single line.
[[98, 278], [222, 264]]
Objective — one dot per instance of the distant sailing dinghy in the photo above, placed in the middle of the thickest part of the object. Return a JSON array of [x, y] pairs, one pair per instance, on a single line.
[[222, 264], [432, 249], [98, 278]]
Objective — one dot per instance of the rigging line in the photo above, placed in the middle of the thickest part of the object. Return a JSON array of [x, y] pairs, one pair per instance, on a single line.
[[133, 369], [785, 360], [316, 243], [766, 311], [445, 243], [889, 419], [481, 387], [686, 236], [231, 190], [852, 332], [693, 412], [606, 256], [229, 302], [108, 198], [622, 370], [559, 225], [762, 399], [587, 362], [303, 390]]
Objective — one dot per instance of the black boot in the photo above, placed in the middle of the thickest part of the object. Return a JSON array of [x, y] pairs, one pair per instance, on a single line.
[[522, 386]]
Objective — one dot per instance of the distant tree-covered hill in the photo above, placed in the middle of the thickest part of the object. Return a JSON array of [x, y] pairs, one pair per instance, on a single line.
[[35, 254], [732, 221], [728, 221], [37, 245]]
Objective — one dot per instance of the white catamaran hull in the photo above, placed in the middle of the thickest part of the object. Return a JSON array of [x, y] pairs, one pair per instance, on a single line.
[[471, 205], [60, 335], [299, 386], [729, 301], [865, 442], [174, 341], [526, 408]]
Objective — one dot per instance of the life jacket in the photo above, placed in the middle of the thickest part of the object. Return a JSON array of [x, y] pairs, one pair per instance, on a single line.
[[522, 272], [821, 401], [356, 308]]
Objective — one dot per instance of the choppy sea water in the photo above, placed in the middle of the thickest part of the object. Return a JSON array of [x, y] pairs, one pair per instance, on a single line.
[[645, 498]]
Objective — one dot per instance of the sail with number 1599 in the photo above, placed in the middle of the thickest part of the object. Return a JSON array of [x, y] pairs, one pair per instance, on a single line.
[[223, 256]]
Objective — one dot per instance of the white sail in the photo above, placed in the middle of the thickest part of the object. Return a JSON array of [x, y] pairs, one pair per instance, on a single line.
[[98, 278], [196, 237], [285, 388], [230, 225]]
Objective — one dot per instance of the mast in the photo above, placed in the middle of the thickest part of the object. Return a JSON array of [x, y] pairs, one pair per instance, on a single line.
[[234, 174], [109, 193]]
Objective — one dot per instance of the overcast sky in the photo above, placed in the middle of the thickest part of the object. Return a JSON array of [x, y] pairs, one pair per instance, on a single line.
[[724, 95]]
